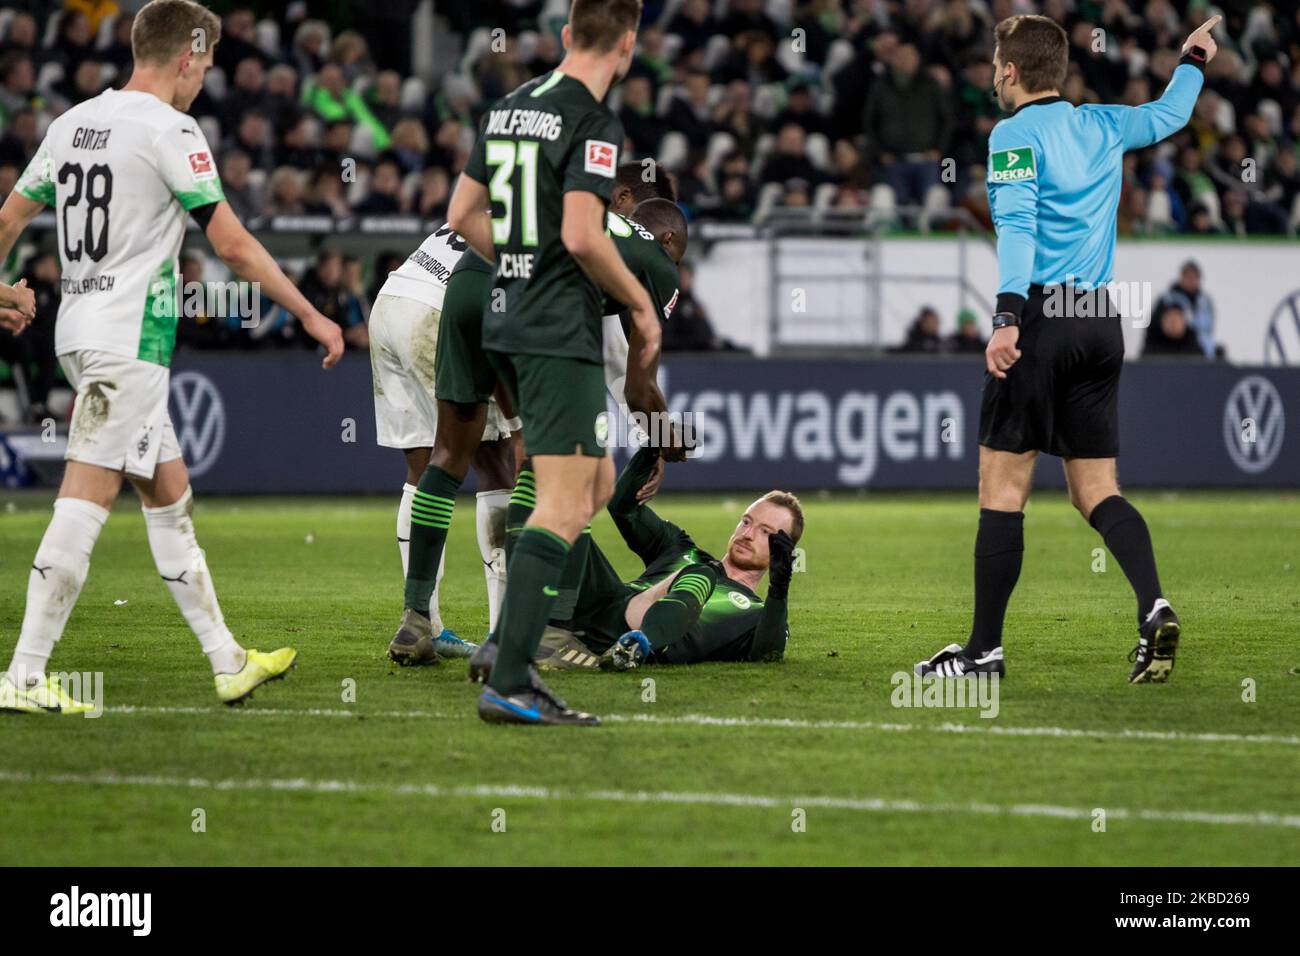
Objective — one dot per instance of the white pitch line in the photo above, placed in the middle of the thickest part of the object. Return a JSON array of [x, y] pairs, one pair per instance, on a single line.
[[858, 804], [788, 723]]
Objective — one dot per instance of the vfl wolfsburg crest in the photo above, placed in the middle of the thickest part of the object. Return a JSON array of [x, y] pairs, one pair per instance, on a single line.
[[1013, 165]]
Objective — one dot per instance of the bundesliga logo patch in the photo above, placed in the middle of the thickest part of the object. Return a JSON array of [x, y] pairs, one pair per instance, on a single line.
[[1013, 165], [201, 165], [601, 158]]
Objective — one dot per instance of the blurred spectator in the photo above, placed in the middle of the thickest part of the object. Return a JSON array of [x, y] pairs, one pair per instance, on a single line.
[[694, 23], [689, 112], [789, 159], [326, 195], [435, 192], [324, 287], [280, 101], [385, 99], [72, 43], [800, 109], [908, 124], [967, 339], [923, 334], [752, 59], [331, 99], [247, 91], [17, 85], [252, 137], [1170, 335], [688, 329], [197, 328], [285, 193], [1195, 304], [238, 41], [385, 196], [245, 199], [637, 114], [385, 263], [82, 84], [32, 353], [19, 141], [118, 52], [21, 36]]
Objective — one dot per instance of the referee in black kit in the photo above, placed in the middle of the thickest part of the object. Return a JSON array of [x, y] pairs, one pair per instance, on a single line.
[[1054, 358]]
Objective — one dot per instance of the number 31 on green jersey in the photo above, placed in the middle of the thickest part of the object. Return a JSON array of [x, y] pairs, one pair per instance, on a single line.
[[503, 156]]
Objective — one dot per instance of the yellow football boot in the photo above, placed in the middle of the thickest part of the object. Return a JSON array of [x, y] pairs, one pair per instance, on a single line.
[[258, 670], [46, 697]]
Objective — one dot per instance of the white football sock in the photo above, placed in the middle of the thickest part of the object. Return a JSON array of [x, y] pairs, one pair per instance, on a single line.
[[58, 572], [490, 512], [181, 563], [404, 526]]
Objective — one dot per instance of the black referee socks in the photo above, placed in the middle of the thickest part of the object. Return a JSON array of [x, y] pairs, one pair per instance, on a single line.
[[999, 550], [1125, 532]]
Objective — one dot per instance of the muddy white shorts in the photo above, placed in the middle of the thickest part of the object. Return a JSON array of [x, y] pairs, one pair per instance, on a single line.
[[403, 350], [120, 419]]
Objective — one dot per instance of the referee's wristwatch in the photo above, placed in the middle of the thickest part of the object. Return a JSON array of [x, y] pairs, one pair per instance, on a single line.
[[1002, 320]]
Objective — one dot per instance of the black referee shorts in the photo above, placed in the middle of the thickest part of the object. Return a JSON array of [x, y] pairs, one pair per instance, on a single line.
[[1062, 395]]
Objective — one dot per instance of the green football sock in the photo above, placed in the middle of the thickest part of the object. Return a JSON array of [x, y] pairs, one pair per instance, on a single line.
[[672, 615], [571, 581], [522, 502], [535, 569], [435, 497]]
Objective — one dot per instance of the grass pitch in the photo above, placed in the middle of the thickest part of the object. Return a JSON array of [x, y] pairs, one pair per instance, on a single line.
[[714, 769]]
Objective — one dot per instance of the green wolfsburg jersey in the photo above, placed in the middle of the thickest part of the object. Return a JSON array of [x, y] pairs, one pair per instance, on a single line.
[[549, 137], [646, 259]]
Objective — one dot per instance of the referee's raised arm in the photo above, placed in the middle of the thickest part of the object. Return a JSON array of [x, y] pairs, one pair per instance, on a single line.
[[1057, 350]]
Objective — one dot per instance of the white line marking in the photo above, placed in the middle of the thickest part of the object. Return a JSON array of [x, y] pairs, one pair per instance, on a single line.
[[787, 723], [860, 804]]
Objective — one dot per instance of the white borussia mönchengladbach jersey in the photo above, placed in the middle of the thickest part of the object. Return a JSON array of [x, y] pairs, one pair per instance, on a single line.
[[121, 170], [424, 274]]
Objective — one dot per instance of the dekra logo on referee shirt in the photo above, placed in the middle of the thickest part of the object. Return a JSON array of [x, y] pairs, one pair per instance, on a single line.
[[1013, 165]]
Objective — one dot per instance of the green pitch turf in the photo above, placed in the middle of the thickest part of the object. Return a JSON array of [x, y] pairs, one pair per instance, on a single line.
[[355, 761]]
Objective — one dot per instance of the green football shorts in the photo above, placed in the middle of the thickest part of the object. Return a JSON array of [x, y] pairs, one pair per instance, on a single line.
[[560, 400], [462, 372]]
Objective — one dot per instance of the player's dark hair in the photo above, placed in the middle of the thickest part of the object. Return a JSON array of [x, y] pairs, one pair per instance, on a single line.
[[661, 215], [599, 24], [645, 180], [790, 502], [164, 29], [1038, 47]]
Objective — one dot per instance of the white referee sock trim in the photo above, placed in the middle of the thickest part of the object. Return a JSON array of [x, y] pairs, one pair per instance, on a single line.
[[58, 572]]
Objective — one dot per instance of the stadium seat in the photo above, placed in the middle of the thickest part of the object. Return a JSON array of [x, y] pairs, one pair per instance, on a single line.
[[268, 36], [414, 94], [214, 81], [104, 35]]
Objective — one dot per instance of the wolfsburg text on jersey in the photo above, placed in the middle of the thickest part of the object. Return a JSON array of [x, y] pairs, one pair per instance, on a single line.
[[535, 124]]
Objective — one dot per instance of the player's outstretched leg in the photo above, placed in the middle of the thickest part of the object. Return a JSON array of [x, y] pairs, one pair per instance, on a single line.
[[58, 572], [1005, 479], [236, 671], [1094, 491], [666, 621]]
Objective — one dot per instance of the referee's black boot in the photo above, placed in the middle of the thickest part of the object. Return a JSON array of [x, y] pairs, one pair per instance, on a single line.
[[1153, 658], [952, 661]]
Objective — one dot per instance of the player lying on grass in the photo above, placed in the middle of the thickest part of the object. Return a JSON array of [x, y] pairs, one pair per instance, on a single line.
[[466, 382], [686, 606], [123, 170], [405, 329]]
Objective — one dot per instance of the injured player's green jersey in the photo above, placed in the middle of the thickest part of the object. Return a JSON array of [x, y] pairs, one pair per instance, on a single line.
[[735, 624]]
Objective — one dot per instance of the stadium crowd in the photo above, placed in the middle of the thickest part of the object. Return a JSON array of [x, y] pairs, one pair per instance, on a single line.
[[876, 109]]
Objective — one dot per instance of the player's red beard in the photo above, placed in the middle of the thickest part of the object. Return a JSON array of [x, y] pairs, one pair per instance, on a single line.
[[744, 556]]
